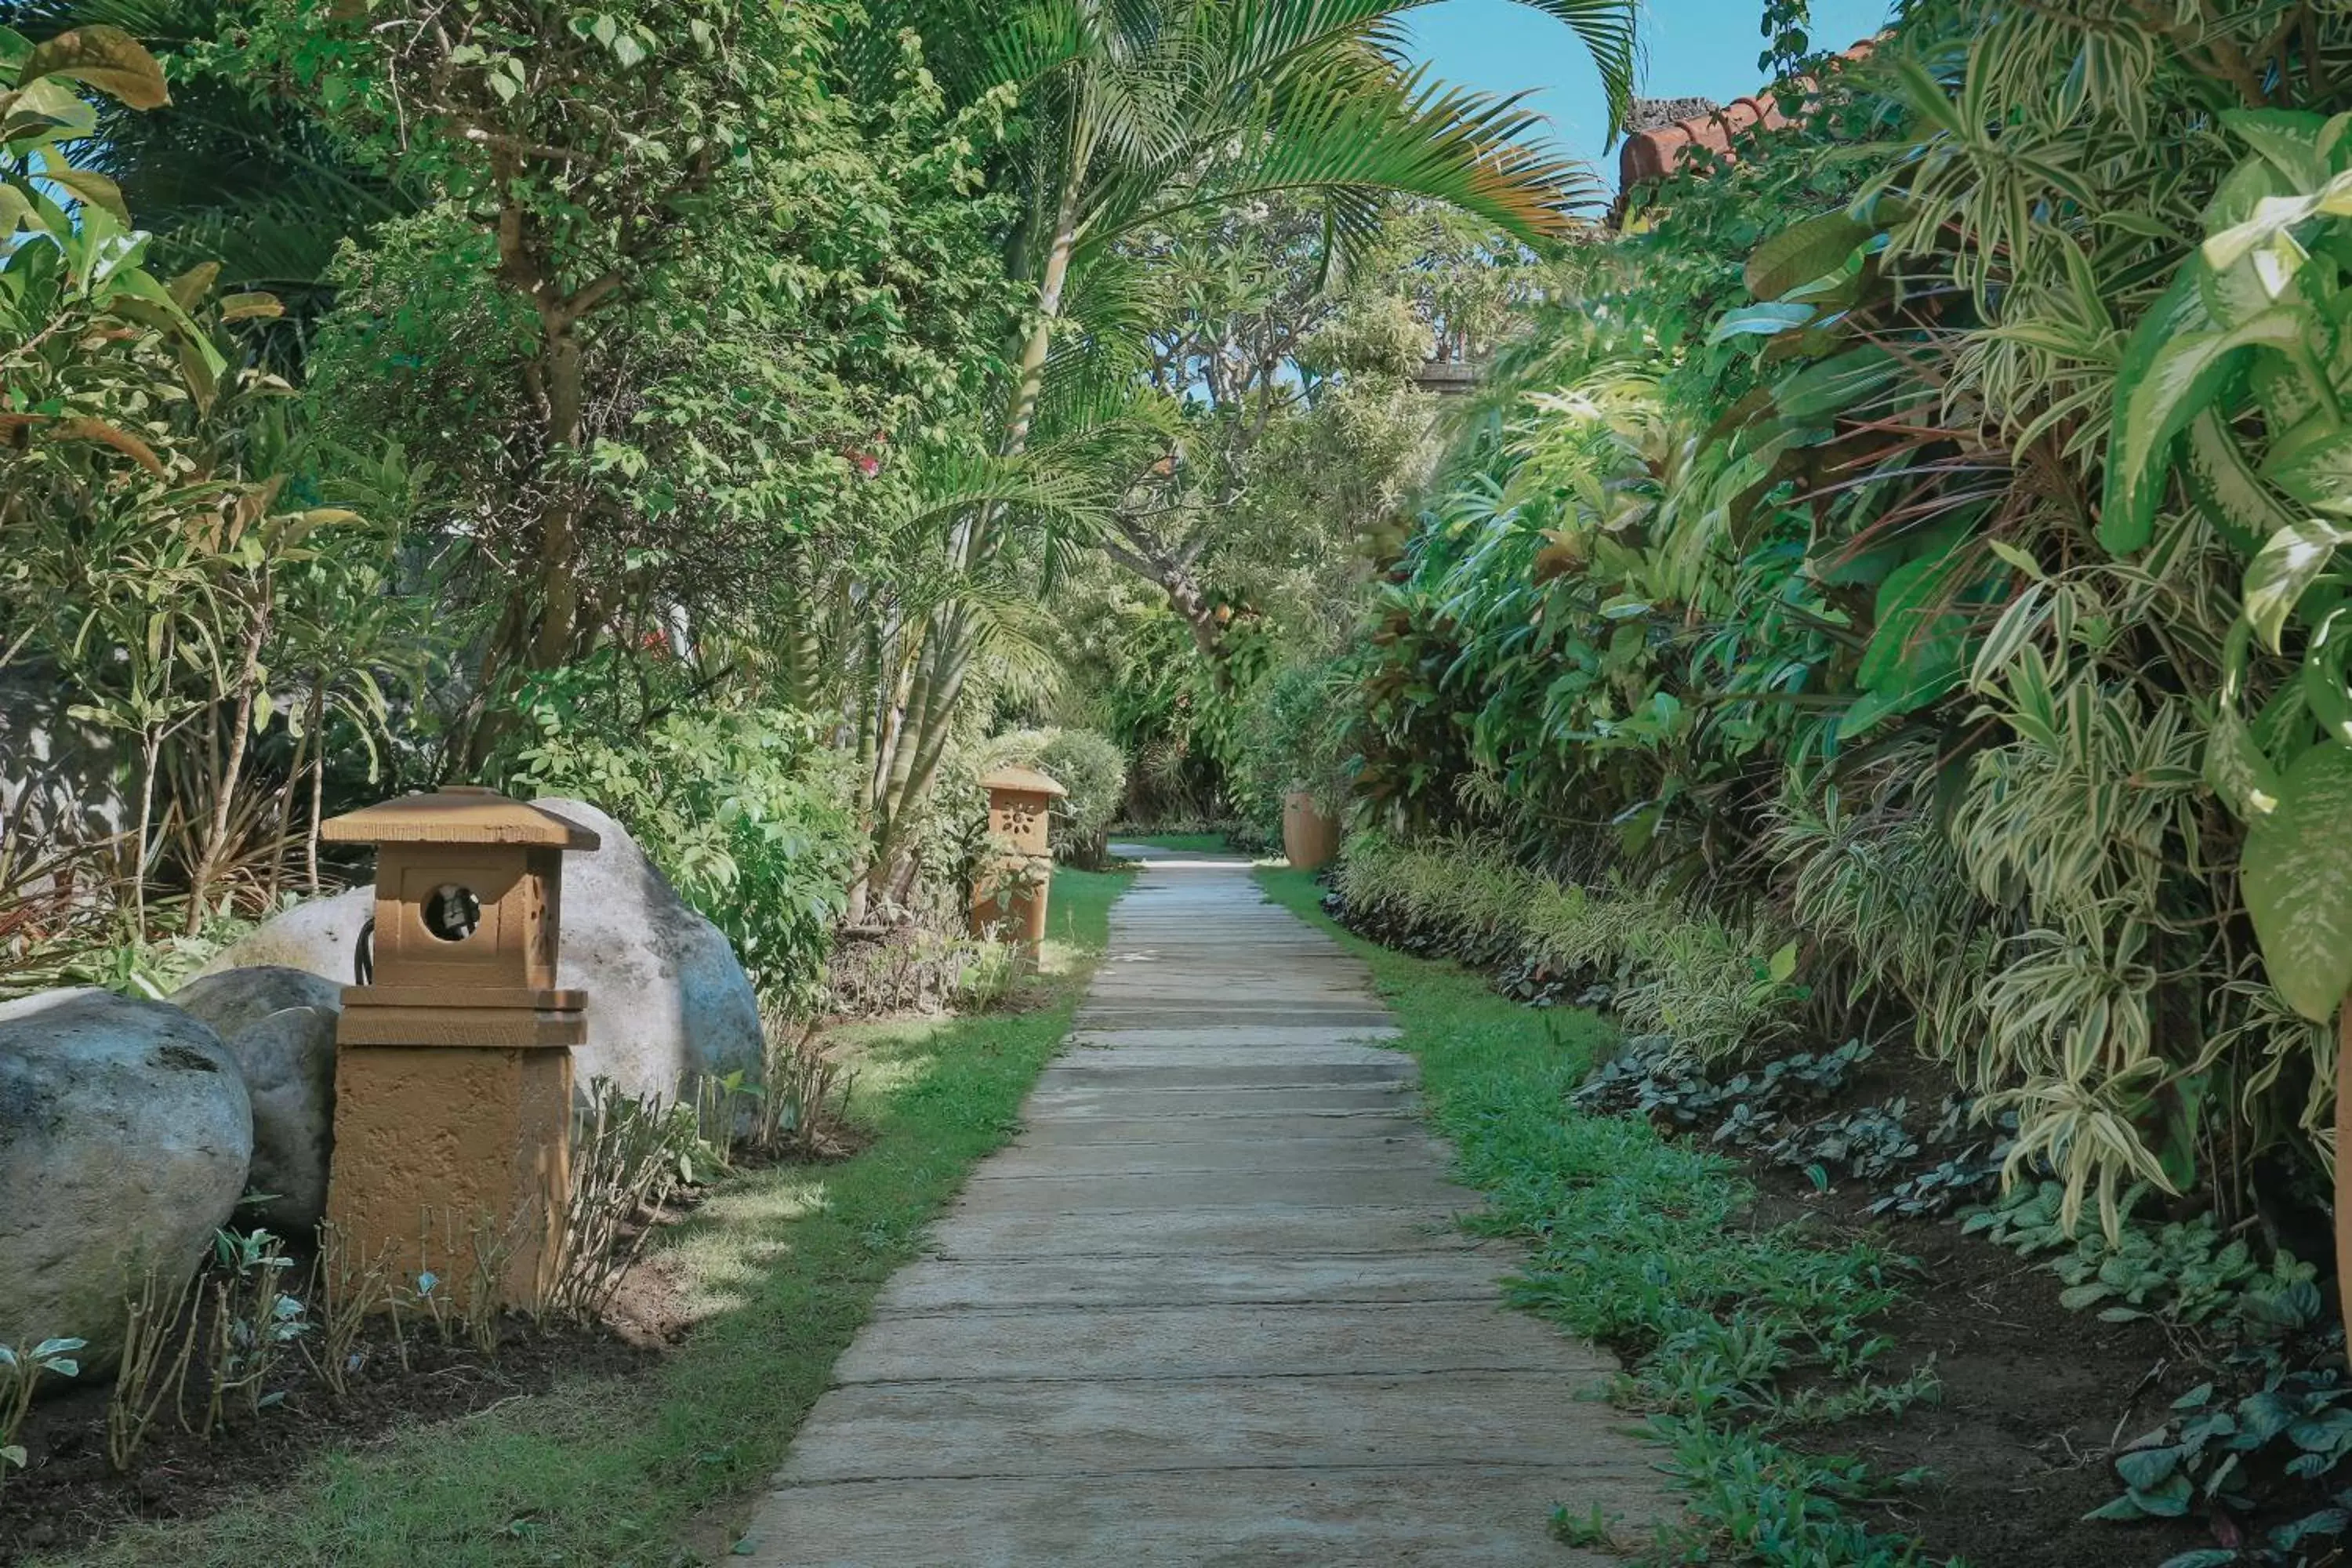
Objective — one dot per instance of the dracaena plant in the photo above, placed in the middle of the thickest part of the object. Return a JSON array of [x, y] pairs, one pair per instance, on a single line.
[[2235, 385]]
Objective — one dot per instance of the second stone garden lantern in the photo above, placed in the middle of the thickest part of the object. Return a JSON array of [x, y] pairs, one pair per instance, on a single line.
[[1009, 894], [453, 1058]]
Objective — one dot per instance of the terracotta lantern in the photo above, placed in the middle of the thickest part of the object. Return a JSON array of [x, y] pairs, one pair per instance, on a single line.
[[1011, 889], [453, 1056]]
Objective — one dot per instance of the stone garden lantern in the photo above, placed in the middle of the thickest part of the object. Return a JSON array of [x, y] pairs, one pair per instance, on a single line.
[[1011, 889], [453, 1056]]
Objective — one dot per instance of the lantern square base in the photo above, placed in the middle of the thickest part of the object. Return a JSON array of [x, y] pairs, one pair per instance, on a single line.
[[1016, 916], [448, 1155]]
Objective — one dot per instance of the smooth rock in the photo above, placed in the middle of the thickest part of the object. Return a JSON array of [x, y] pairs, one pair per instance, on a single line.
[[125, 1136], [667, 1001], [278, 1023]]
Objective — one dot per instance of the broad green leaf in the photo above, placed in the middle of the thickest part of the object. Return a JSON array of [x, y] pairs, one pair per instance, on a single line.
[[1783, 964], [2180, 379], [1866, 710], [250, 306], [93, 188], [2296, 879], [2018, 558], [1914, 654], [1763, 321], [2142, 1470], [2324, 673], [106, 59], [48, 105], [2236, 769], [2127, 509], [2287, 566], [2288, 138], [1802, 252], [189, 289], [2312, 464], [1836, 386], [2225, 489]]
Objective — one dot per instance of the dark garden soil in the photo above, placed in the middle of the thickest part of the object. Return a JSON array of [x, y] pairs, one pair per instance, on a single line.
[[71, 1496], [2036, 1400]]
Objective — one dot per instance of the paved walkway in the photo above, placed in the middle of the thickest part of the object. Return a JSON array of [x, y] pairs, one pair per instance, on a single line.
[[1212, 1308]]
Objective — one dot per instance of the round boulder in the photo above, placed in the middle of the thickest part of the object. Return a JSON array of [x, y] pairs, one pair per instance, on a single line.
[[667, 1000], [278, 1023], [125, 1134]]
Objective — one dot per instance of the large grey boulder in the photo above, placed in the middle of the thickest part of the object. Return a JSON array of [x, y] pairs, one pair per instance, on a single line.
[[125, 1133], [667, 1000], [279, 1025]]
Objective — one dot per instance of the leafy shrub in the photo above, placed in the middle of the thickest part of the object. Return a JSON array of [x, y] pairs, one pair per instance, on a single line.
[[1087, 763], [1714, 987], [20, 1369], [2183, 1272], [1294, 737], [2297, 1428], [746, 813], [627, 1153]]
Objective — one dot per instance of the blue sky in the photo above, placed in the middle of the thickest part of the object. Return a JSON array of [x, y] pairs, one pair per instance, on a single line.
[[1690, 48]]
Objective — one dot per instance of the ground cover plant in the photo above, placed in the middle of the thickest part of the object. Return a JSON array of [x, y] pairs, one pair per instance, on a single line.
[[1976, 1417], [775, 1269], [1639, 1242]]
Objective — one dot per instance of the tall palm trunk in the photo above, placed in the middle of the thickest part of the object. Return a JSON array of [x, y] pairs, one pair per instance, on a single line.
[[906, 764]]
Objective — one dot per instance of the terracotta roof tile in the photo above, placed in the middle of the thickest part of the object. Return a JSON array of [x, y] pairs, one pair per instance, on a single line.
[[1649, 156]]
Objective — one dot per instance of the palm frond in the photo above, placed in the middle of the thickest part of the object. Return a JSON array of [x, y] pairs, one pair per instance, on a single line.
[[1331, 139]]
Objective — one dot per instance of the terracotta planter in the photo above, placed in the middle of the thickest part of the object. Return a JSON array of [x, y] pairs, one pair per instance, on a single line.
[[1309, 838]]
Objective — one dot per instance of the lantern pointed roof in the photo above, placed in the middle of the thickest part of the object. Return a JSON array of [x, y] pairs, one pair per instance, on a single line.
[[459, 814], [1028, 781]]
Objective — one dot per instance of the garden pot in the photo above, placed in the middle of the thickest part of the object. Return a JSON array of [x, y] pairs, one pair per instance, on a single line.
[[1310, 837]]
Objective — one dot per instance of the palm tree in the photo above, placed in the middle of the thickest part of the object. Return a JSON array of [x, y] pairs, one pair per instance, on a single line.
[[1138, 111]]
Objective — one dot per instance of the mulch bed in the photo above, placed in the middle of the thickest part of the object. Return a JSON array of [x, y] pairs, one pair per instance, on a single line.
[[2035, 1398], [70, 1497]]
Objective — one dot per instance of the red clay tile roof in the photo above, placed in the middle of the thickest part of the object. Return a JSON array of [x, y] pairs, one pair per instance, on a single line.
[[1649, 156]]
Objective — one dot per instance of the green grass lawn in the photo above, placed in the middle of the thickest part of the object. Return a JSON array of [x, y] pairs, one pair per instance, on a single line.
[[1189, 843], [786, 1261], [1640, 1242]]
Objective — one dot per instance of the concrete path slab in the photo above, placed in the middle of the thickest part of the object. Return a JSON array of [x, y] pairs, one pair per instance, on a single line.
[[1305, 1339], [1214, 1307], [1441, 1276], [1234, 1149], [1201, 1233], [1409, 1518]]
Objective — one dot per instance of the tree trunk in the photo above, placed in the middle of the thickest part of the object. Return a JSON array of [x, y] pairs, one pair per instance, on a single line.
[[150, 749], [910, 766], [2344, 1162], [230, 770], [559, 574], [318, 782]]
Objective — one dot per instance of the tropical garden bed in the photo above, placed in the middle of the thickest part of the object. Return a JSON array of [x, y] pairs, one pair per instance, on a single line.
[[594, 1444], [1834, 1383]]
